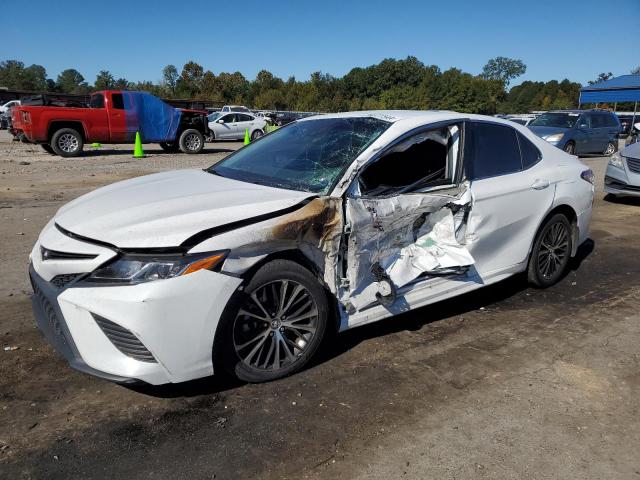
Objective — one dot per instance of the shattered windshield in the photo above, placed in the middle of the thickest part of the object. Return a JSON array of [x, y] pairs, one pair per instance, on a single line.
[[308, 156]]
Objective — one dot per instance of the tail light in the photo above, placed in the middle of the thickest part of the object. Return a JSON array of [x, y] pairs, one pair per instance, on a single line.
[[26, 117], [588, 176]]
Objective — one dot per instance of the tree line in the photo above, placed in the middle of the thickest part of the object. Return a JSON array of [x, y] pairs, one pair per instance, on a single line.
[[391, 84]]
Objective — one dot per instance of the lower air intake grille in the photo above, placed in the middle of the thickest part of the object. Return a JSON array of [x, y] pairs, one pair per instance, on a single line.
[[63, 280], [124, 340]]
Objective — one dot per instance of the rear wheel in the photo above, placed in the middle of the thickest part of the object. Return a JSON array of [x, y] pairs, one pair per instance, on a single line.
[[47, 148], [610, 149], [551, 252], [276, 325], [570, 148], [169, 147], [191, 141], [67, 142]]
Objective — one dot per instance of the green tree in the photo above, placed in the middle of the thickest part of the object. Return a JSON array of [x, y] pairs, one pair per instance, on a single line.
[[189, 83], [104, 81], [13, 74], [170, 78], [503, 69], [71, 81], [601, 78]]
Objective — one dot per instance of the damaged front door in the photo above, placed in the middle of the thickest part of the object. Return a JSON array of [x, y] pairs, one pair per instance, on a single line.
[[406, 216]]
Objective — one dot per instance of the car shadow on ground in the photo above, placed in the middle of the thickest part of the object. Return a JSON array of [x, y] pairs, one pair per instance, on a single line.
[[105, 152], [336, 345], [622, 200]]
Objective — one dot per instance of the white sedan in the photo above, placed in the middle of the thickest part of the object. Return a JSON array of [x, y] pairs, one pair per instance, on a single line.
[[234, 125], [329, 223]]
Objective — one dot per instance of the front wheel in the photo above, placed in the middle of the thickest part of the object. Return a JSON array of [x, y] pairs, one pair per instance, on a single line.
[[610, 149], [67, 142], [276, 324], [551, 252], [570, 148], [191, 141]]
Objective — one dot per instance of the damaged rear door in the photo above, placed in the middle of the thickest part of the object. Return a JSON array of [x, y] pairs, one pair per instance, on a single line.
[[406, 215]]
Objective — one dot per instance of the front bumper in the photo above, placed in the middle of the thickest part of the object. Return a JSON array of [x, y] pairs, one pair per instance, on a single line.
[[173, 320], [622, 181]]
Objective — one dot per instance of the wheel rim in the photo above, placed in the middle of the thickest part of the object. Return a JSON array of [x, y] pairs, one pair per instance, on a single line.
[[610, 149], [68, 143], [554, 250], [257, 134], [275, 325], [192, 141], [569, 148]]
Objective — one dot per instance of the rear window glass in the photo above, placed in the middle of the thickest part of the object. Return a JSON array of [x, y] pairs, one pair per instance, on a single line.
[[117, 101], [97, 101], [530, 153], [493, 150]]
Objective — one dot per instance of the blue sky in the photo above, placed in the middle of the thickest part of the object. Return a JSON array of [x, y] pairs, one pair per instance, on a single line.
[[134, 39]]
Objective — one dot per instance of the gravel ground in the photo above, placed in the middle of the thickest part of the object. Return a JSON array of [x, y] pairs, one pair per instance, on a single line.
[[506, 382]]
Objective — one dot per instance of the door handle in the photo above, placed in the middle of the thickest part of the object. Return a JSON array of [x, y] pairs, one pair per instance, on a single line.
[[540, 184]]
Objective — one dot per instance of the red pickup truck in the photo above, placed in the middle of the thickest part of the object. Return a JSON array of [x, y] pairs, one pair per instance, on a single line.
[[112, 116]]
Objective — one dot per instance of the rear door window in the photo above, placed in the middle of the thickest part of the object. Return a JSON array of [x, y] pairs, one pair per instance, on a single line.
[[117, 101], [229, 118], [529, 152], [243, 118], [96, 101], [491, 150]]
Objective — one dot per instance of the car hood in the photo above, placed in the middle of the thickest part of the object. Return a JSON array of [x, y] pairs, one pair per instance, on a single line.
[[632, 151], [546, 131], [165, 209]]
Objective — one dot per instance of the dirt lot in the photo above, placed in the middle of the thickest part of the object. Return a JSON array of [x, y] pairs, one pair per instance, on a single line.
[[507, 382]]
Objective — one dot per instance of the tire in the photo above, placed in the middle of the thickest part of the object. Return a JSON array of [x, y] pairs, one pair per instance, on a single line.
[[191, 141], [552, 241], [570, 148], [67, 143], [169, 147], [251, 344], [256, 134], [610, 149], [47, 148]]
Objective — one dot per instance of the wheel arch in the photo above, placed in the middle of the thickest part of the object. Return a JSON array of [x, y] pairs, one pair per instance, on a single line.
[[56, 125], [569, 212], [297, 256]]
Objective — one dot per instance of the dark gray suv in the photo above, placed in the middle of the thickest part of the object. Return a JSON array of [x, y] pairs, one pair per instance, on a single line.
[[579, 131]]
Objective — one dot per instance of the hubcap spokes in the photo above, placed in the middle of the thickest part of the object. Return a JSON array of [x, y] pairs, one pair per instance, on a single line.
[[553, 250], [193, 142], [68, 143], [275, 325]]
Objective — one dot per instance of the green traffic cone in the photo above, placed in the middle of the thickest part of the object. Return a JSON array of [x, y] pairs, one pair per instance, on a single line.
[[247, 140], [96, 145], [137, 151]]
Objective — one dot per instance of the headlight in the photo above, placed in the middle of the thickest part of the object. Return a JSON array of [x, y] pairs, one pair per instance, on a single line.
[[133, 269], [556, 137], [616, 160]]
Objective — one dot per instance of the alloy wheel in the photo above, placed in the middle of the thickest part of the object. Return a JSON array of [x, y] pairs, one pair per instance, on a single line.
[[274, 325], [68, 143], [554, 250], [192, 142], [611, 148]]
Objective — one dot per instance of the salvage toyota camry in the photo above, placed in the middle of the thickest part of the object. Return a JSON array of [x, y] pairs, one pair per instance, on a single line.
[[331, 222]]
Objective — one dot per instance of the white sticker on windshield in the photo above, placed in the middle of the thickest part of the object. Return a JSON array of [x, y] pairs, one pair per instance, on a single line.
[[574, 114]]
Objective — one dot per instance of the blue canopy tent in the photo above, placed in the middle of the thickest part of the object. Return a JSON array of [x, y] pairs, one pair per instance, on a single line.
[[625, 88]]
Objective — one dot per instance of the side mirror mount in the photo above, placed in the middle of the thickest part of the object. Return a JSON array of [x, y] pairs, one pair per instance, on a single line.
[[220, 121]]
